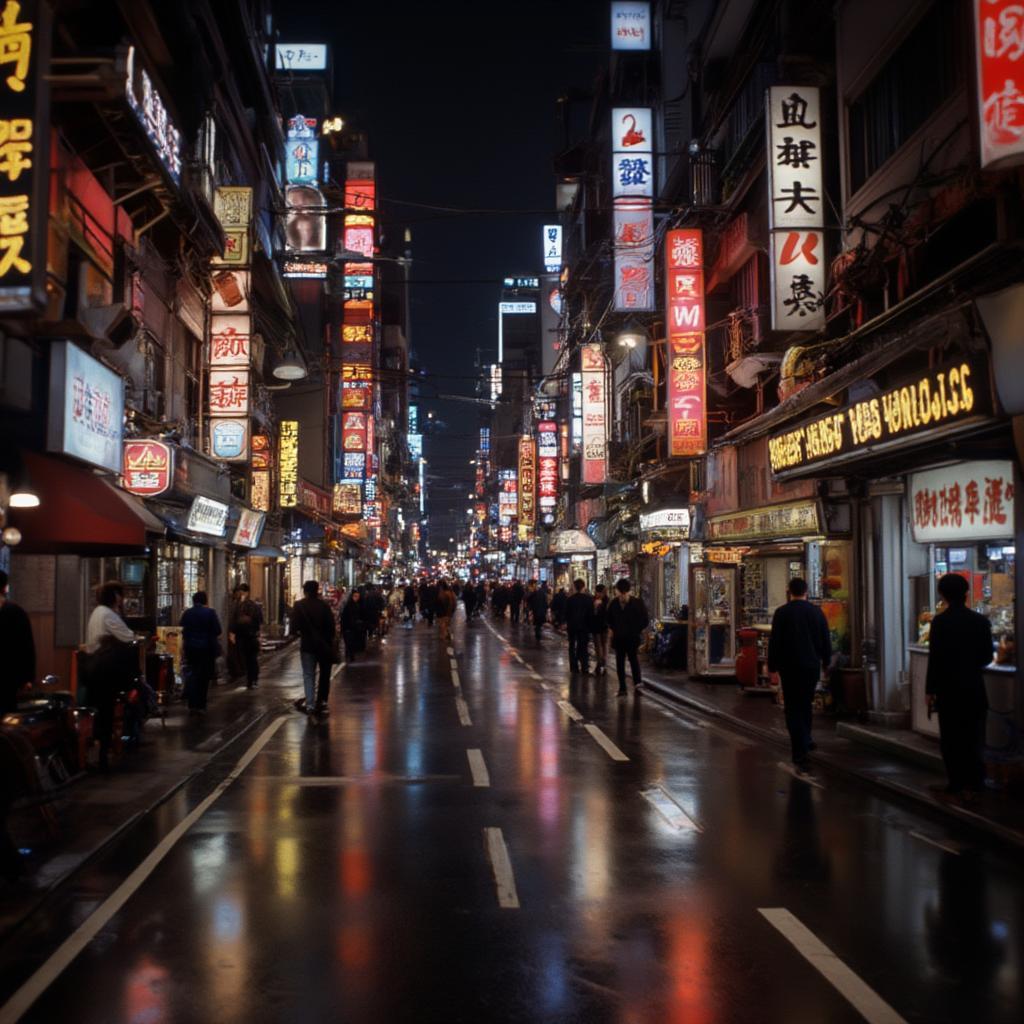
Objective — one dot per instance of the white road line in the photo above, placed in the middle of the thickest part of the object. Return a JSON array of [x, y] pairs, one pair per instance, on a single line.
[[19, 1004], [570, 711], [864, 999], [937, 843], [478, 768], [535, 675], [605, 744], [456, 681], [504, 880], [463, 709], [670, 809], [336, 671], [454, 664], [791, 770], [451, 651]]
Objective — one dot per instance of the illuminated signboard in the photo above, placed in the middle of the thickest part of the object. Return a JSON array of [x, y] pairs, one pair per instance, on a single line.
[[148, 467], [152, 114], [259, 491], [577, 412], [632, 210], [527, 484], [229, 392], [300, 57], [631, 26], [415, 442], [229, 340], [687, 371], [233, 207], [288, 464], [522, 282], [249, 528], [304, 269], [800, 519], [207, 516], [347, 499], [305, 224], [552, 248], [24, 154], [517, 307], [999, 47], [595, 426], [547, 469], [671, 524], [937, 398], [508, 496], [796, 208], [965, 502], [229, 438], [302, 151]]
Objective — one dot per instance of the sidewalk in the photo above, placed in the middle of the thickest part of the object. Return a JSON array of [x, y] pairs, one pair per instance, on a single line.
[[93, 809], [906, 765]]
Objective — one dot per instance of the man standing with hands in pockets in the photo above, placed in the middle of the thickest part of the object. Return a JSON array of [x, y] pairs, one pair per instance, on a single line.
[[799, 649]]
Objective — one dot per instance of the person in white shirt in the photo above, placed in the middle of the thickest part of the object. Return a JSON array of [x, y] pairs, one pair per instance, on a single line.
[[106, 618]]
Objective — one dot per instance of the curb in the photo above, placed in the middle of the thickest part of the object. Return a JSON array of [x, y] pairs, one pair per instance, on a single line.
[[935, 808]]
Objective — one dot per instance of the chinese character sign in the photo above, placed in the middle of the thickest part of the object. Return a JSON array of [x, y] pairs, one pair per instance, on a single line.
[[527, 483], [999, 42], [547, 468], [233, 207], [595, 425], [633, 212], [631, 26], [553, 248], [288, 465], [148, 467], [686, 375], [229, 392], [302, 151], [962, 503], [229, 340], [796, 203]]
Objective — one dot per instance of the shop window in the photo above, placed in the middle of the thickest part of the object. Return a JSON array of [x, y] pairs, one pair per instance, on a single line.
[[920, 75]]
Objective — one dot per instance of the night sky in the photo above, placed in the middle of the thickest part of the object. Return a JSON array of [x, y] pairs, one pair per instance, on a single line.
[[460, 103]]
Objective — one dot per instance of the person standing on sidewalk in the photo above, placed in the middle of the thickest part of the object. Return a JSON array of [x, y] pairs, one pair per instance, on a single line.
[[446, 605], [428, 601], [313, 621], [200, 640], [537, 606], [18, 660], [515, 600], [627, 619], [578, 612], [959, 648], [353, 626], [244, 634], [599, 627], [409, 601], [798, 650]]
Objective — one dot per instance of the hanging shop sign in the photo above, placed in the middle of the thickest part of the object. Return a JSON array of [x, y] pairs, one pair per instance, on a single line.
[[801, 519], [632, 208], [572, 542], [595, 423], [207, 516], [936, 398], [552, 248], [148, 468], [233, 207], [999, 48], [288, 463], [796, 204], [229, 392], [551, 334], [86, 410], [300, 57], [577, 412], [259, 490], [24, 154], [508, 496], [151, 111], [314, 499], [261, 453], [631, 26], [230, 340], [229, 439], [347, 500], [249, 528], [305, 226], [230, 291], [302, 151], [670, 524], [686, 380], [527, 509], [965, 502], [547, 469]]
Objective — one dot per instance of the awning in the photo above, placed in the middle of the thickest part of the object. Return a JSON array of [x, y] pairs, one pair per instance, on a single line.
[[267, 551], [80, 512], [572, 542]]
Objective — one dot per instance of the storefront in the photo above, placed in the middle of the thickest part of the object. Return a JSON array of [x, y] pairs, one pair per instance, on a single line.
[[664, 537], [574, 558]]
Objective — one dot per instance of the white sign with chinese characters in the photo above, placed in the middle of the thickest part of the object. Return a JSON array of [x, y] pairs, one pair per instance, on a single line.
[[517, 307], [229, 340], [207, 516], [965, 502], [633, 212], [632, 152], [631, 26], [300, 57], [796, 204], [999, 39], [553, 248], [595, 423]]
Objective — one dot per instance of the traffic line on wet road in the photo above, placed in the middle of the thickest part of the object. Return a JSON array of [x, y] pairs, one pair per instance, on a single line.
[[937, 843], [501, 866], [864, 999], [791, 770], [19, 1003], [670, 809], [478, 768], [570, 711], [463, 709], [605, 744]]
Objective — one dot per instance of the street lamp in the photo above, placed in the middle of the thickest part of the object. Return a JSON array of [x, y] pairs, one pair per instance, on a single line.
[[291, 366]]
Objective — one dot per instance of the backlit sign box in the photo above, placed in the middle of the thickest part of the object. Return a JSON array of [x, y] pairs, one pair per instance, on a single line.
[[249, 528], [148, 467], [999, 49], [207, 516], [965, 502], [300, 57], [687, 370], [149, 108], [631, 26]]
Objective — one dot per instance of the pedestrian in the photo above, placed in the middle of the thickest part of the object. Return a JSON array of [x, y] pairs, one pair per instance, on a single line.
[[396, 604], [558, 603], [959, 648], [515, 600], [111, 663], [17, 649], [313, 621], [469, 600], [373, 608], [627, 619], [244, 625], [501, 600], [599, 627], [200, 641], [480, 604], [537, 606], [409, 601], [353, 625], [428, 601], [798, 650], [445, 610], [578, 613]]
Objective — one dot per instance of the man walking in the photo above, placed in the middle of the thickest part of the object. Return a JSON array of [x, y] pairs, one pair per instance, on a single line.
[[445, 610], [799, 649], [599, 626], [18, 660], [409, 600], [428, 601], [244, 634], [515, 600], [959, 648], [313, 621], [578, 612], [537, 606], [627, 619], [200, 640]]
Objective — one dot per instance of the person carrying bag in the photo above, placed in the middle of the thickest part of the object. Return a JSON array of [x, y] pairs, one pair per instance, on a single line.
[[313, 620]]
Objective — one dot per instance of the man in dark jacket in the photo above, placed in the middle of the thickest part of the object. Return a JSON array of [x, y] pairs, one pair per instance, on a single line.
[[537, 605], [200, 640], [244, 635], [353, 626], [409, 601], [516, 594], [959, 648], [599, 626], [579, 610], [558, 608], [798, 650], [627, 619], [17, 649], [428, 601], [313, 620]]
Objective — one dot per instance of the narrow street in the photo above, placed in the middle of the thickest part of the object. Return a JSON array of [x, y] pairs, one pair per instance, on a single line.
[[480, 838]]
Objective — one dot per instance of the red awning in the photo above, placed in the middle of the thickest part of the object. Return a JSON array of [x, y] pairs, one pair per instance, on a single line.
[[79, 512]]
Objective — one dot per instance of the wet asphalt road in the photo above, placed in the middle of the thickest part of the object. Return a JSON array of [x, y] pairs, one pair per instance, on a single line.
[[355, 871]]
